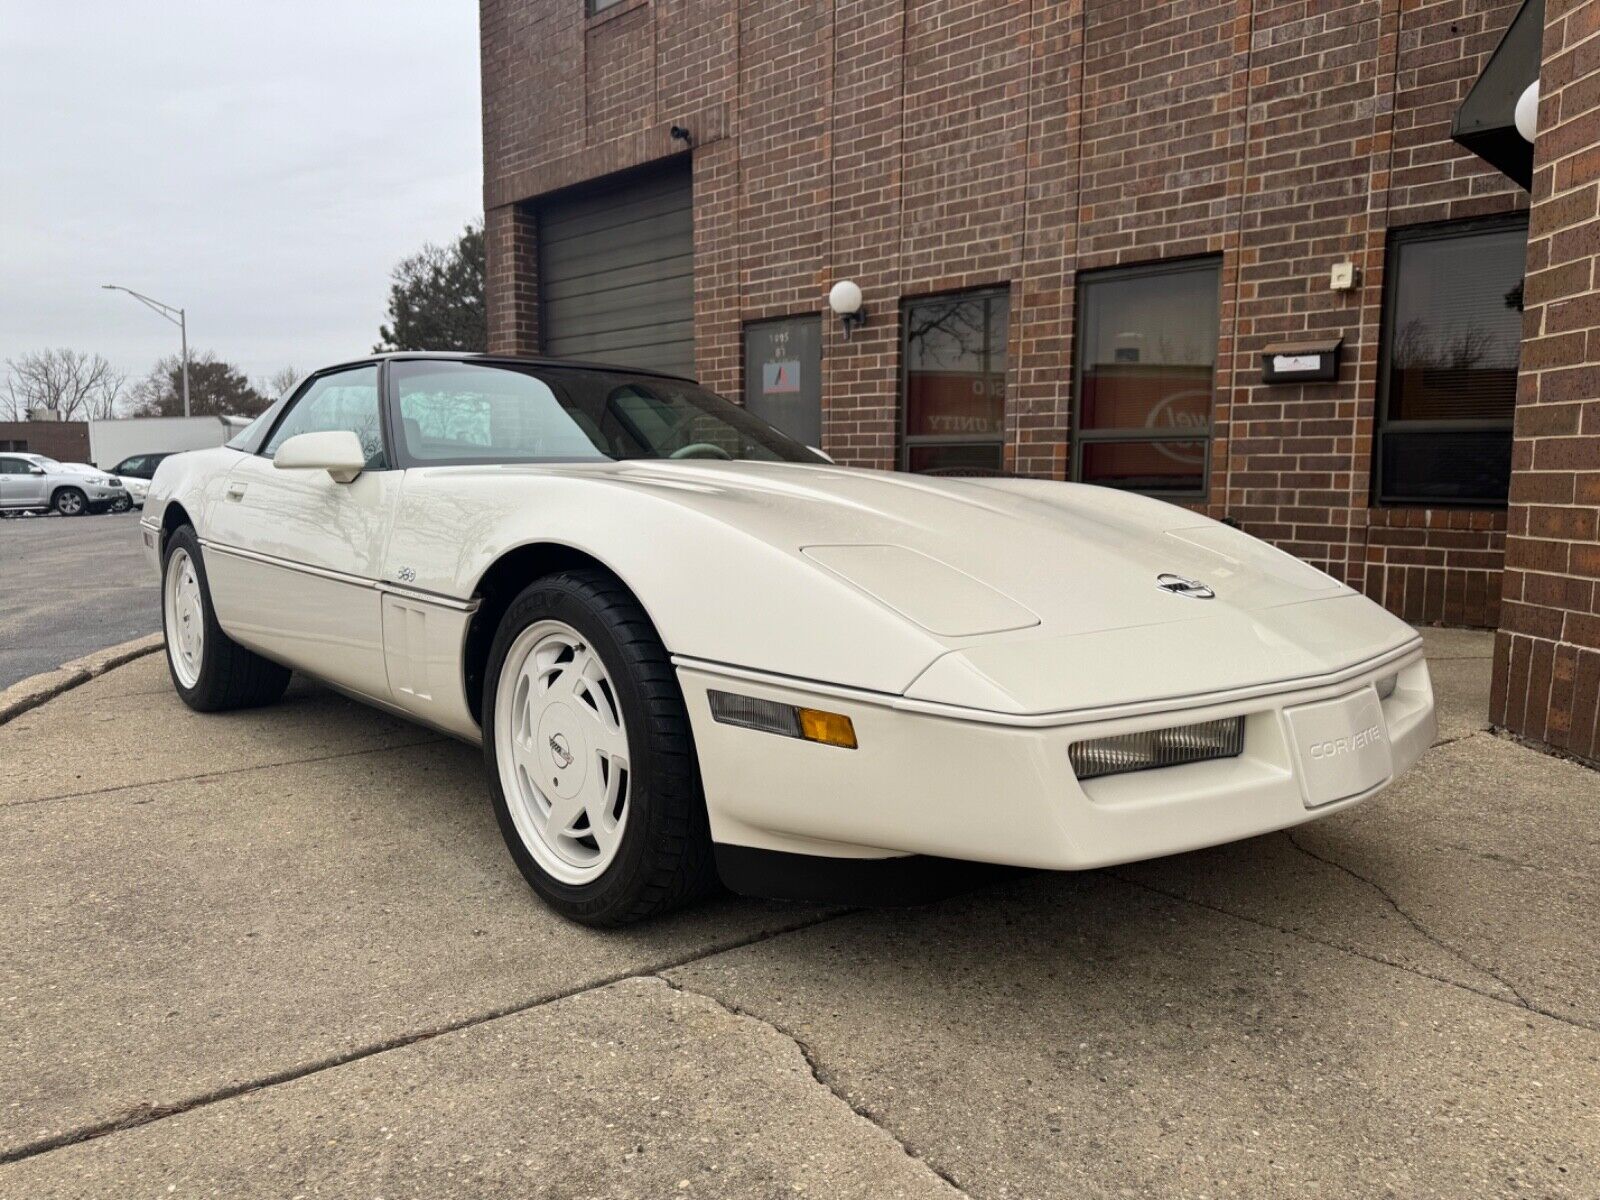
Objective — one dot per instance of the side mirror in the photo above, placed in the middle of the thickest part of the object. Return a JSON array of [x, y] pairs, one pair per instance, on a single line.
[[336, 451], [37, 471]]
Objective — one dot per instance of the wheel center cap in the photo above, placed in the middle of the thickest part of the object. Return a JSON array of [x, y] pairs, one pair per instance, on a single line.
[[561, 751]]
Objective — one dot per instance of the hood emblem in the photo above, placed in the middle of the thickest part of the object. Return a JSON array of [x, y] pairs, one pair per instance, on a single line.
[[1179, 586]]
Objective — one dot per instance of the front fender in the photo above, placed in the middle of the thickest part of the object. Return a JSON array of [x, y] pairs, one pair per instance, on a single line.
[[192, 480], [715, 591]]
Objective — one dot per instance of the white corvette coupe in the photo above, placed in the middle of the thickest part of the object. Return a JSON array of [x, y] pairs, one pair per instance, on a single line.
[[693, 648]]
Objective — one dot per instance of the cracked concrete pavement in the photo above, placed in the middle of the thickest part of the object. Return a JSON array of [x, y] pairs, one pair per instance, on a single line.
[[283, 953]]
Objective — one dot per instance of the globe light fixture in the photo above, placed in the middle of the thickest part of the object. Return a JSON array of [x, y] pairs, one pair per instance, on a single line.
[[845, 300], [1526, 115]]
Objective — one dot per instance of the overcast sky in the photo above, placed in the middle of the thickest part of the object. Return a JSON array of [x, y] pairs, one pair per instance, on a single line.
[[263, 163]]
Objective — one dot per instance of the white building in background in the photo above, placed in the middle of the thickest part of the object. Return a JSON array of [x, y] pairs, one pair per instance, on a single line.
[[112, 441]]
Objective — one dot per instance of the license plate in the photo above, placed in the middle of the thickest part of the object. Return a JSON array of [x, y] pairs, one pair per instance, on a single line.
[[1342, 747]]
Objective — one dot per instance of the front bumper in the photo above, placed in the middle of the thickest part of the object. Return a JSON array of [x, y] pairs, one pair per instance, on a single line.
[[101, 496], [987, 788]]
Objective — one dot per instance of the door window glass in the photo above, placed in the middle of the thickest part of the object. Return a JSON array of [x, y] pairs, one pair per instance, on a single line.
[[343, 400], [783, 375]]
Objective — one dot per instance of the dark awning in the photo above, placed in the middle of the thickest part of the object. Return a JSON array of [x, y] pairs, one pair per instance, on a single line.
[[1483, 123]]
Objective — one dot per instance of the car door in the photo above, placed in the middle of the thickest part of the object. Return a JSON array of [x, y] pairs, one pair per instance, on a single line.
[[23, 483], [293, 556]]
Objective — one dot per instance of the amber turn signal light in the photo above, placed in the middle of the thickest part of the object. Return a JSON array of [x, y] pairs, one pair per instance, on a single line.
[[831, 729], [785, 720]]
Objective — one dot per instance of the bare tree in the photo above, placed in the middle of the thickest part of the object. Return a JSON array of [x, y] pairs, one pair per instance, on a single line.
[[78, 386], [279, 382], [1416, 345]]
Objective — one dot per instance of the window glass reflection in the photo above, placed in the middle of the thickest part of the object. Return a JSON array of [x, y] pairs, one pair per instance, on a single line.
[[1146, 356], [955, 393]]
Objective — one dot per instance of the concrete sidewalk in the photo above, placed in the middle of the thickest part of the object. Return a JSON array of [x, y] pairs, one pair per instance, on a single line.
[[284, 953]]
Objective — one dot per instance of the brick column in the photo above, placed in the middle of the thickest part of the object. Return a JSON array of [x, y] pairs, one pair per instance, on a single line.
[[511, 283], [1547, 653]]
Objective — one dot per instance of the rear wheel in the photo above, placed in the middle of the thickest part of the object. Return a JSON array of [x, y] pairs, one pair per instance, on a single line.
[[210, 670], [591, 762], [70, 502]]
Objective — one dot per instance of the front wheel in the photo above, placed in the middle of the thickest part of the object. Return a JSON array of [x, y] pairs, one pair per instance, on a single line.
[[591, 762], [121, 504], [70, 502], [210, 670]]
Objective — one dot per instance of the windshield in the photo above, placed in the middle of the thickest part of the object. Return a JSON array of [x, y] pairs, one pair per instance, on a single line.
[[456, 412], [49, 464]]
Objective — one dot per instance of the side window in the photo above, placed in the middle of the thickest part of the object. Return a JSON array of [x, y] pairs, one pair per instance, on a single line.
[[954, 389], [344, 400], [1447, 386], [12, 466], [1146, 367]]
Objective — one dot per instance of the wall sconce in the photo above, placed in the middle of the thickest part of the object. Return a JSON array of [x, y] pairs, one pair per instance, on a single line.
[[679, 134], [845, 299], [1526, 114]]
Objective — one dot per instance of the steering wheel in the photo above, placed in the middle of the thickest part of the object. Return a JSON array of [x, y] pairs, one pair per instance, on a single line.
[[701, 450]]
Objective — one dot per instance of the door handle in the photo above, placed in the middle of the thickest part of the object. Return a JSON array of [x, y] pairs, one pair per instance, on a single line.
[[236, 491]]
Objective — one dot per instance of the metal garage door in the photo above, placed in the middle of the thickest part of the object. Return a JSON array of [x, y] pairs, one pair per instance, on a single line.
[[616, 273]]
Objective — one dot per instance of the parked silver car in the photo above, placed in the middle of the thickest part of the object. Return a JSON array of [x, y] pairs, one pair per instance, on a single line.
[[32, 482]]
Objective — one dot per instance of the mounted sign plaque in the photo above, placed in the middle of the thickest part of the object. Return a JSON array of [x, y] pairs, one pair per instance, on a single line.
[[783, 375], [1301, 362]]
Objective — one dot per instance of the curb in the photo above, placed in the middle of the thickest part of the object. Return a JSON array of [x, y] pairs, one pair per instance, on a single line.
[[36, 689]]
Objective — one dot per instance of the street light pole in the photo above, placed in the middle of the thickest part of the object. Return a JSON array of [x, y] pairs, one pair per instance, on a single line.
[[181, 320]]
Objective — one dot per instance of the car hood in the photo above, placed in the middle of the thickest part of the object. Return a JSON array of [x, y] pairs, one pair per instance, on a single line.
[[1064, 558], [1019, 592]]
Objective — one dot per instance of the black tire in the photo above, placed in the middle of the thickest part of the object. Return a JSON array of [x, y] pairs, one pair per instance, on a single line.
[[230, 676], [664, 859], [69, 502], [121, 504]]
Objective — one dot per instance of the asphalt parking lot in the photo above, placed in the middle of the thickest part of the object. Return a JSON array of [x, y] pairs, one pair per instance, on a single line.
[[284, 953], [69, 585]]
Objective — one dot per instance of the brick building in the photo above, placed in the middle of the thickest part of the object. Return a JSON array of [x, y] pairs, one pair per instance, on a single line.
[[65, 441], [1106, 240]]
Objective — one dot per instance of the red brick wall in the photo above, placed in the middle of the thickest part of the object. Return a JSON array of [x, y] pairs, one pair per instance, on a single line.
[[952, 144], [861, 376], [1547, 653], [511, 249], [65, 441]]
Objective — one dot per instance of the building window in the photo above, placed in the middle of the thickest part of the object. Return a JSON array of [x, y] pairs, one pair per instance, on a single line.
[[13, 444], [1146, 366], [596, 7], [1452, 335], [955, 383]]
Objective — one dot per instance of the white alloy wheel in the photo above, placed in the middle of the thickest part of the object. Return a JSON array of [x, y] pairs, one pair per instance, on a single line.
[[184, 615], [562, 750]]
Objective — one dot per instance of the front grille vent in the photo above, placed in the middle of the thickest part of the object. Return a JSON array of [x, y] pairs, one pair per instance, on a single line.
[[1153, 748]]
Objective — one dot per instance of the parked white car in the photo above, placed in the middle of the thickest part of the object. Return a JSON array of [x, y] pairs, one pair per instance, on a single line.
[[35, 483], [135, 472], [691, 646]]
